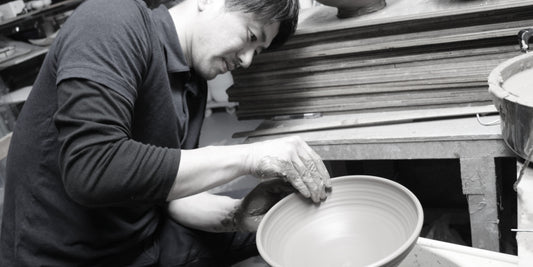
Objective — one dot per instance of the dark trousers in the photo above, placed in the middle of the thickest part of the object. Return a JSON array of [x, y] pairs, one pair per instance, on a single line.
[[182, 246]]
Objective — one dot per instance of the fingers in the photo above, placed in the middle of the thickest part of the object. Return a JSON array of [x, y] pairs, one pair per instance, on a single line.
[[294, 177], [305, 177], [322, 180], [321, 168], [294, 161], [315, 172]]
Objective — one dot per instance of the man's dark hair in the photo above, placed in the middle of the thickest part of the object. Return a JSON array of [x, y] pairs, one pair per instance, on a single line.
[[283, 11]]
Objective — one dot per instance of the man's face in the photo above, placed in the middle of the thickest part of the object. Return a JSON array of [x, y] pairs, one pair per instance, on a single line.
[[225, 40]]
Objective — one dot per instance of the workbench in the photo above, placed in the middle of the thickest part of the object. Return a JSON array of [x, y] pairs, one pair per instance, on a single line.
[[475, 146]]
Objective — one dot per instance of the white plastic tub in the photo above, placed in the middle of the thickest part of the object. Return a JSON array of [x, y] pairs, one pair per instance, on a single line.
[[429, 253], [432, 253]]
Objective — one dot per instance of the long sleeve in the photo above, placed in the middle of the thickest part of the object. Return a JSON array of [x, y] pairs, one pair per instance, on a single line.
[[101, 165]]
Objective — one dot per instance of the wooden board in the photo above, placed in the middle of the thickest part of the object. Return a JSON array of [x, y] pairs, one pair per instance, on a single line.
[[381, 43], [324, 91], [332, 122], [387, 62], [419, 56], [409, 15]]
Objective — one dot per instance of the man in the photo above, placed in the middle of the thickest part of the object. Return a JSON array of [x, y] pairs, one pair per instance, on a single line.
[[103, 167]]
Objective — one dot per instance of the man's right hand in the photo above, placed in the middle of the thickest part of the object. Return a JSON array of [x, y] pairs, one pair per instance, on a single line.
[[291, 159]]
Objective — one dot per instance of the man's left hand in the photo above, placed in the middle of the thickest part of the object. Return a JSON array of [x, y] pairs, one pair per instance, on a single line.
[[256, 204]]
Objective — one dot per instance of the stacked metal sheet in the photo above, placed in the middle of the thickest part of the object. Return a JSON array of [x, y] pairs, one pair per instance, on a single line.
[[383, 62]]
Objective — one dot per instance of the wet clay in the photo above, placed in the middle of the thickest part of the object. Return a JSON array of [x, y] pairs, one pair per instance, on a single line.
[[520, 84], [258, 201], [270, 167]]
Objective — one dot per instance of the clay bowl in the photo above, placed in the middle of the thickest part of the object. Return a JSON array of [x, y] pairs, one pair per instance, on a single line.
[[366, 221], [352, 8]]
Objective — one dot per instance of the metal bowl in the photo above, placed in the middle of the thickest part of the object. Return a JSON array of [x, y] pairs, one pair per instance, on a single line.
[[366, 221], [511, 88]]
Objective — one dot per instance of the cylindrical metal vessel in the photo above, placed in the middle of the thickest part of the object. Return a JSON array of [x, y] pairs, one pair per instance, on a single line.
[[515, 106]]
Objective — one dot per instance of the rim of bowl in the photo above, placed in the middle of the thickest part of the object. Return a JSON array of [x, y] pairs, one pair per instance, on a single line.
[[500, 74], [409, 242]]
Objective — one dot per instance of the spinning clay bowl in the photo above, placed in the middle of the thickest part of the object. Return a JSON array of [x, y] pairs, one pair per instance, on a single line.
[[366, 221]]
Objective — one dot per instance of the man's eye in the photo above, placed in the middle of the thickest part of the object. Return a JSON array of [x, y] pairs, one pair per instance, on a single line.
[[253, 38]]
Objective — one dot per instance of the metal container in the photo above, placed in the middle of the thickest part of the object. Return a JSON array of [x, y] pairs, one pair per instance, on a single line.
[[516, 110]]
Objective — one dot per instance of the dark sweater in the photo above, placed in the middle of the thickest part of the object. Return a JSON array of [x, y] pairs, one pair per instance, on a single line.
[[97, 145]]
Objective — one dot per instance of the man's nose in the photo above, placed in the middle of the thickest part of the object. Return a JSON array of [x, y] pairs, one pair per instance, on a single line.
[[245, 57]]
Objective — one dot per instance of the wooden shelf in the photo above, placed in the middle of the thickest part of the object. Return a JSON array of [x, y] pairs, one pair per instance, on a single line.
[[11, 24], [27, 52]]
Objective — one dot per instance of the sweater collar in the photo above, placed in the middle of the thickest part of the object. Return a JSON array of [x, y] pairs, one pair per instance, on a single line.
[[169, 39]]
